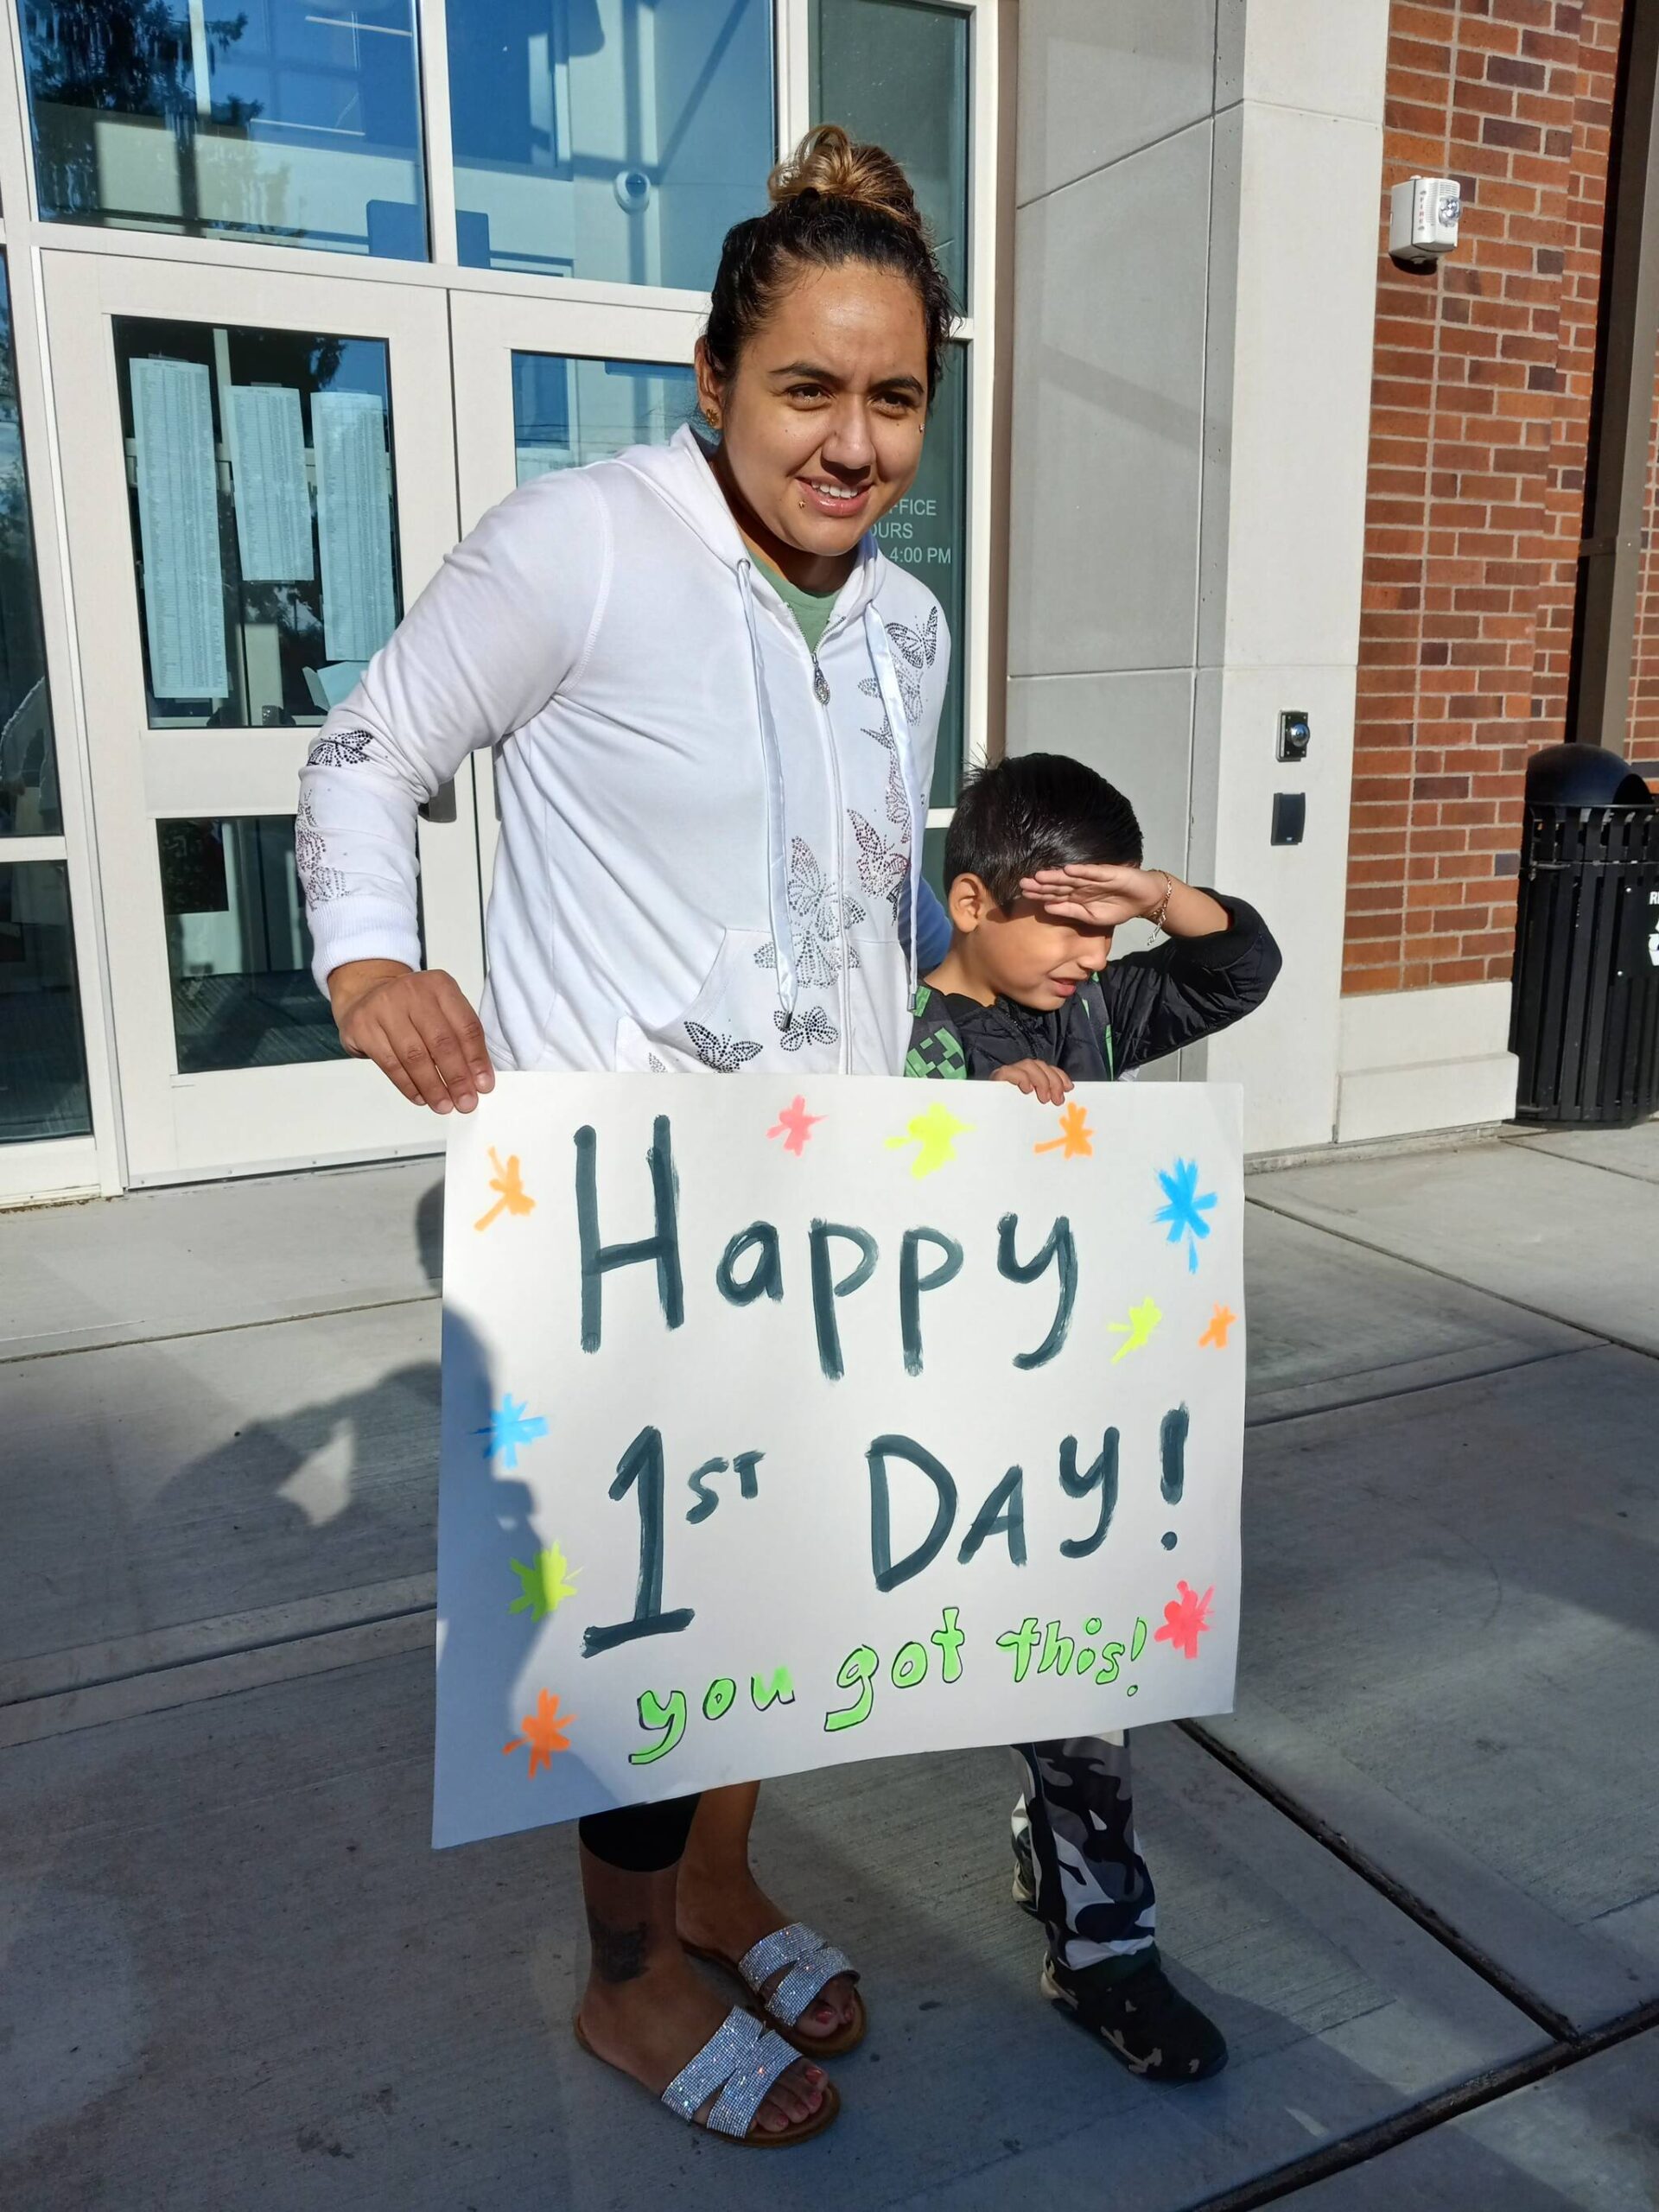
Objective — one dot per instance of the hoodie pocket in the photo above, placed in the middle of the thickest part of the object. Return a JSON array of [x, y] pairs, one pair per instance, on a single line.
[[734, 1022]]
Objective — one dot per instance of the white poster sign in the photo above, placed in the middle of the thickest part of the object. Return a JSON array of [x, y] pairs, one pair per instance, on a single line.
[[178, 529], [786, 1423], [273, 501], [353, 523]]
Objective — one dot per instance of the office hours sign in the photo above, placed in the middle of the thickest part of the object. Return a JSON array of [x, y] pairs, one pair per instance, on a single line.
[[791, 1422]]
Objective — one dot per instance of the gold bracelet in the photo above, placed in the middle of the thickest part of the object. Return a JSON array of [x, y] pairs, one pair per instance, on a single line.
[[1157, 918]]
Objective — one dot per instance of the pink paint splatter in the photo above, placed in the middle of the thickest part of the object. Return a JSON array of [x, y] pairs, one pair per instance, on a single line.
[[795, 1125], [1185, 1618]]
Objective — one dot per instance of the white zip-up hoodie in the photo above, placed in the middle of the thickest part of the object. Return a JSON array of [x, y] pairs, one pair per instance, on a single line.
[[707, 840]]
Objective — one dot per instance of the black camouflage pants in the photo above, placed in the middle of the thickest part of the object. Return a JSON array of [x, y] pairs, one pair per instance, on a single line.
[[1074, 1840]]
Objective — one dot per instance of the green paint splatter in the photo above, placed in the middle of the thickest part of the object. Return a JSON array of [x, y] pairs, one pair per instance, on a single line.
[[542, 1585]]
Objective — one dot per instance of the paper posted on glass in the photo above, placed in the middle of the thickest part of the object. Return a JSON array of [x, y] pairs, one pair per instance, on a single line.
[[353, 523], [273, 500], [793, 1422], [178, 529]]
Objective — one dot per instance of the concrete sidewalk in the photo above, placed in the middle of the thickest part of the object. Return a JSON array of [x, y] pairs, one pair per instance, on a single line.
[[1415, 1876]]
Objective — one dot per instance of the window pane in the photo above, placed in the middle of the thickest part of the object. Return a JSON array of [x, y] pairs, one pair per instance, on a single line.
[[43, 1070], [28, 769], [291, 120], [264, 526], [927, 531], [615, 139], [238, 948], [568, 412], [895, 73]]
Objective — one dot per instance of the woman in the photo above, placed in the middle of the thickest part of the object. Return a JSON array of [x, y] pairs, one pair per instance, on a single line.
[[715, 702]]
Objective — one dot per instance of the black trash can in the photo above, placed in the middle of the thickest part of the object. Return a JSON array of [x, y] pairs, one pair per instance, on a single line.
[[1584, 1015]]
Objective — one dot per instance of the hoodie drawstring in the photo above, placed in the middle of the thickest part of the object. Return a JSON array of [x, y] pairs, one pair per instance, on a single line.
[[783, 942], [875, 635]]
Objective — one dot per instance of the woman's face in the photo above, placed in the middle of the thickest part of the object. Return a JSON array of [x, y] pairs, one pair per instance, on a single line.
[[821, 425]]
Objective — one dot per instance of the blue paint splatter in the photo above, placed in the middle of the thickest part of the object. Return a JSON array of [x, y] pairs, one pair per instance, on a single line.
[[1187, 1208], [508, 1427]]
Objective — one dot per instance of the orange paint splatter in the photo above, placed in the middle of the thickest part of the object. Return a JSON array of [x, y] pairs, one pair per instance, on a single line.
[[1185, 1618], [1220, 1321], [509, 1182], [1075, 1139], [544, 1730]]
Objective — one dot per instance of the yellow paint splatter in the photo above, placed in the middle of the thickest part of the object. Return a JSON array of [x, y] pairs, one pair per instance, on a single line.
[[1136, 1332], [934, 1136]]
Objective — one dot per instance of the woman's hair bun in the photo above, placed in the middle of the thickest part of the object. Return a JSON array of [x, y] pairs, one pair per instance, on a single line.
[[828, 162], [833, 202]]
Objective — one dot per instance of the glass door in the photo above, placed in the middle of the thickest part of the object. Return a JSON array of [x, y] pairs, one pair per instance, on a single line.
[[551, 384], [261, 480]]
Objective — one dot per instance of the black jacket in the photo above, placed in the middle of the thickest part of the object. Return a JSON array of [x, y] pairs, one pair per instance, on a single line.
[[1138, 1008]]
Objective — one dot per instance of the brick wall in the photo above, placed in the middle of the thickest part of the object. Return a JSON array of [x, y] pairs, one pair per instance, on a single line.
[[1480, 406]]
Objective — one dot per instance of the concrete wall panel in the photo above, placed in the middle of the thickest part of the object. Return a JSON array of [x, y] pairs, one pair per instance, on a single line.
[[1109, 371], [1135, 728], [1301, 387], [1098, 81]]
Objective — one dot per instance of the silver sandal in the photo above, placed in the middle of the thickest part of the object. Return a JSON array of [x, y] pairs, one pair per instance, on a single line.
[[742, 2059], [812, 1962]]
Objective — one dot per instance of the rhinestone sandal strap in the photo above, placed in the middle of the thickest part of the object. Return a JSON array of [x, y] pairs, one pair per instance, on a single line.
[[730, 2050], [798, 1989], [812, 1962], [746, 2091], [785, 1947]]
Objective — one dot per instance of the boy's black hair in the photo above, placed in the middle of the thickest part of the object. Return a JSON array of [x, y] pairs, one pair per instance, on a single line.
[[1036, 810]]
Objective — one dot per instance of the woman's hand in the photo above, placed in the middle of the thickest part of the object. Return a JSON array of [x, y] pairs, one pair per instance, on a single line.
[[417, 1028], [1037, 1079]]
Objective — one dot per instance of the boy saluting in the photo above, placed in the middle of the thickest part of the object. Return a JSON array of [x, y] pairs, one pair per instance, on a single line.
[[1042, 862]]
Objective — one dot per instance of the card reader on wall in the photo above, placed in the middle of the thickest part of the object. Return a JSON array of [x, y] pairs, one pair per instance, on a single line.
[[1289, 817]]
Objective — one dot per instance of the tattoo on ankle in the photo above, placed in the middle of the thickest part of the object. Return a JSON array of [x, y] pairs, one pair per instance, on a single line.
[[618, 1953]]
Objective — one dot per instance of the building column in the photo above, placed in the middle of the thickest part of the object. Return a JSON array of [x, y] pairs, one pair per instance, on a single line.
[[1195, 282]]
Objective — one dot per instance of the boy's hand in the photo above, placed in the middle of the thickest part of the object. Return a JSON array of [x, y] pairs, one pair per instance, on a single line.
[[1038, 1080], [1098, 894]]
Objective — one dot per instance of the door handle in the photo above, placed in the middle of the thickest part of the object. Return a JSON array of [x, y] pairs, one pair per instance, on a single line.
[[440, 807]]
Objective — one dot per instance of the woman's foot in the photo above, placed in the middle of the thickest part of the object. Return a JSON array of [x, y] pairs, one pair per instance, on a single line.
[[650, 2015], [729, 1914]]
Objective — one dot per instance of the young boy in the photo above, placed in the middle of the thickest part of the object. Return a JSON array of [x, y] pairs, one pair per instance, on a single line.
[[1042, 862]]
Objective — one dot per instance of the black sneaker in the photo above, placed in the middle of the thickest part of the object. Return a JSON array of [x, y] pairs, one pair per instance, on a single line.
[[1140, 2016]]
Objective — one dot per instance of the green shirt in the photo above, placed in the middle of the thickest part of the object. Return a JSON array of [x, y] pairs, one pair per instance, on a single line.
[[811, 609]]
